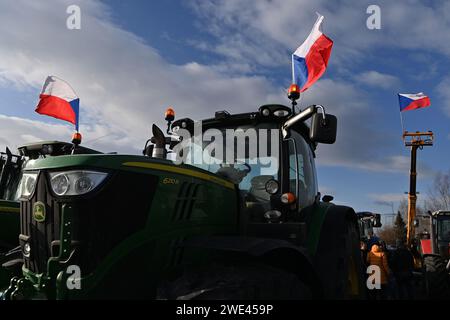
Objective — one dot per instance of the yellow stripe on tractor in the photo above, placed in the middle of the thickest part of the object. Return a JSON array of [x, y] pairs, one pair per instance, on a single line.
[[182, 171], [9, 209]]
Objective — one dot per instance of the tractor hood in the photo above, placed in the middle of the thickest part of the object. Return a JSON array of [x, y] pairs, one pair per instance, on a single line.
[[124, 162], [127, 196], [106, 161]]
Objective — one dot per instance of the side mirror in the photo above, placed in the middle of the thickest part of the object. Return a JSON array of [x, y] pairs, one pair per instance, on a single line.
[[377, 223], [323, 128]]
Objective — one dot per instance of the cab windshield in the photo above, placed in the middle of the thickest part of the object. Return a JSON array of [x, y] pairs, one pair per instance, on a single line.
[[246, 155], [249, 156], [444, 230]]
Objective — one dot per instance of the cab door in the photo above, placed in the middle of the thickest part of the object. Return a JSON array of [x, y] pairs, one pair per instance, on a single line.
[[302, 179]]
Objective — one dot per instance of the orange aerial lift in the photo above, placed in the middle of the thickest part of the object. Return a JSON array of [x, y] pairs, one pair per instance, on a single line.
[[436, 276], [414, 140]]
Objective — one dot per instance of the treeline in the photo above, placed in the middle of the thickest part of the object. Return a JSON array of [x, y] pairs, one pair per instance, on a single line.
[[437, 198]]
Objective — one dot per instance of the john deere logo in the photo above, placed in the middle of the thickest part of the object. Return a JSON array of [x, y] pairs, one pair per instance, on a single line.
[[39, 212]]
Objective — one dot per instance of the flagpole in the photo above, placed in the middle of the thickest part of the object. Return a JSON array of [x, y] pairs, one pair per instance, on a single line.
[[292, 64], [401, 121]]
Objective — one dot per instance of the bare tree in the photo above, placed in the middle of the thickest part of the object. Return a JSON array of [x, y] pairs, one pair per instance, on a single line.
[[403, 208], [388, 235], [400, 228], [439, 194]]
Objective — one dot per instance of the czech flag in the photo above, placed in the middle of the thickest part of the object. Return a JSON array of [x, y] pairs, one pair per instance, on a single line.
[[310, 60], [58, 100], [411, 101]]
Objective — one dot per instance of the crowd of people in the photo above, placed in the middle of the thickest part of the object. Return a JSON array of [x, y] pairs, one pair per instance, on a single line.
[[396, 269]]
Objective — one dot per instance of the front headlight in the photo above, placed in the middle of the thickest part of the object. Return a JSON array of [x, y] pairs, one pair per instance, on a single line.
[[27, 184], [74, 183]]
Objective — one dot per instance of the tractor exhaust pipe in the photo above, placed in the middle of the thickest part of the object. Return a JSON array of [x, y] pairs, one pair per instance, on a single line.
[[159, 141]]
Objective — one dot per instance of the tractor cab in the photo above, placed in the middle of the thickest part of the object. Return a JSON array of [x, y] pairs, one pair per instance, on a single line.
[[367, 222], [435, 249], [268, 155], [10, 174], [10, 167], [438, 240]]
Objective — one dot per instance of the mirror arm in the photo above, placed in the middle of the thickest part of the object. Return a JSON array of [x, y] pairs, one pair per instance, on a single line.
[[321, 107], [302, 116]]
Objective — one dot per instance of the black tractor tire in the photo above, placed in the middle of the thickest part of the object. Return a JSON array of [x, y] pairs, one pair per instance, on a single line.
[[236, 282], [339, 259], [436, 278]]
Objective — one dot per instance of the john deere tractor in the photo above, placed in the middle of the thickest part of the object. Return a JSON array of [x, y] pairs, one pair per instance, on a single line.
[[242, 225], [10, 167], [10, 177]]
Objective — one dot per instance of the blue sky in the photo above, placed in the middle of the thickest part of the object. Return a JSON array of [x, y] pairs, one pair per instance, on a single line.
[[131, 59]]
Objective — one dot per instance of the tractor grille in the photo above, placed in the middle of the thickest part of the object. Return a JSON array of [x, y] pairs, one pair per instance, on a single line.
[[189, 194], [100, 221], [40, 235]]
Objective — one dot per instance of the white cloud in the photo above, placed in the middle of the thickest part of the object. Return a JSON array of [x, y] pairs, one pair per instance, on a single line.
[[123, 83], [443, 90], [17, 131], [244, 29], [377, 79], [360, 144], [387, 199]]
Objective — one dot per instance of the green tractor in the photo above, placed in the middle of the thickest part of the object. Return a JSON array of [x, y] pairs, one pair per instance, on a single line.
[[106, 226], [10, 177], [10, 167]]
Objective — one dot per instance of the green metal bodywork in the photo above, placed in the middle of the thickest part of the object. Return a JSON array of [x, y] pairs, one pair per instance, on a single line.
[[315, 227], [155, 246], [10, 223], [212, 214], [10, 167], [212, 208], [10, 228]]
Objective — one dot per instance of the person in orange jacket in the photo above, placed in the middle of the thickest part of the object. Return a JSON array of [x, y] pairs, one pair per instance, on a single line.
[[377, 257]]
